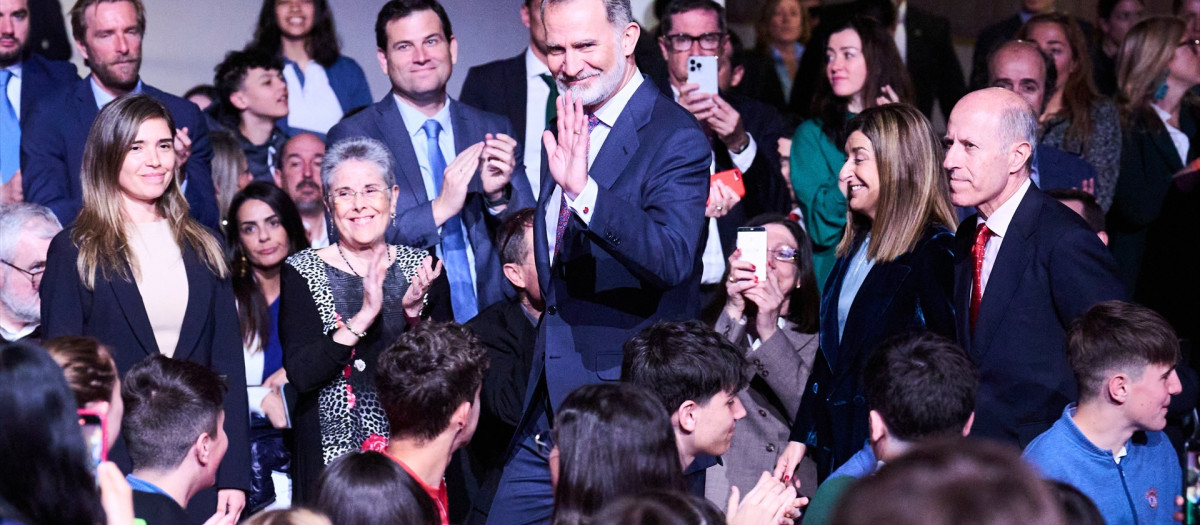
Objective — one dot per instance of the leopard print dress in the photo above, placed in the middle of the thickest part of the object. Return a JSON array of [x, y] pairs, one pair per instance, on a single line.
[[349, 411]]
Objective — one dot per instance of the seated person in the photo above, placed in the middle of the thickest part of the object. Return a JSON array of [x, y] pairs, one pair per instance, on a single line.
[[1085, 205], [174, 430], [253, 103], [508, 331], [697, 375], [919, 387], [428, 384], [1110, 444]]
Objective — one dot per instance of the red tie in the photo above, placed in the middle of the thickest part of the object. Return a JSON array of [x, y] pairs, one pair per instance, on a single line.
[[977, 251]]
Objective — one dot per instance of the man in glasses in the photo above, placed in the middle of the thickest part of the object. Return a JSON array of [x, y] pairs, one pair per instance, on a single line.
[[25, 233], [743, 132]]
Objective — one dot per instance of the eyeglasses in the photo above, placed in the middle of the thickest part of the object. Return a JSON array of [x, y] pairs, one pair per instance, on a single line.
[[35, 275], [347, 195], [708, 41], [785, 254], [544, 442]]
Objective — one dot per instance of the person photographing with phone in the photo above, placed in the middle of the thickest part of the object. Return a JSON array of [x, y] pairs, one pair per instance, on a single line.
[[743, 133]]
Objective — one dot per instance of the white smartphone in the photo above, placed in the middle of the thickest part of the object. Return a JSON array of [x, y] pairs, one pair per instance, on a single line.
[[753, 244], [702, 70]]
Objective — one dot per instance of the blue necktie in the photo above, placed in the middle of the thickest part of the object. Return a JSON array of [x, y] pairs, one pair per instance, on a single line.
[[10, 132], [454, 244]]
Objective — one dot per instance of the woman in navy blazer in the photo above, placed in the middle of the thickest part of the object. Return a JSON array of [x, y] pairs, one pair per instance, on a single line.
[[894, 274], [138, 273]]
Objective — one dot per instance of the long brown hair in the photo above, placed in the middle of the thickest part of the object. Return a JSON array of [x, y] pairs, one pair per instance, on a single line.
[[1080, 90], [914, 192], [1145, 54], [100, 227]]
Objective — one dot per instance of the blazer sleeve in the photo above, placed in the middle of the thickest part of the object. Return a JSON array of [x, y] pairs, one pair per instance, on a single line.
[[63, 295], [659, 240], [45, 177], [504, 381], [934, 268], [765, 188], [228, 361], [311, 358], [784, 362], [816, 186], [1082, 273]]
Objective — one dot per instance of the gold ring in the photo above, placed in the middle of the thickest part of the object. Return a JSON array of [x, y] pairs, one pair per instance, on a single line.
[[719, 207], [732, 280], [578, 132]]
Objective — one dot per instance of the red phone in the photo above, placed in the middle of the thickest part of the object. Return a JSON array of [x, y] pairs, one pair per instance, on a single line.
[[731, 178], [95, 435]]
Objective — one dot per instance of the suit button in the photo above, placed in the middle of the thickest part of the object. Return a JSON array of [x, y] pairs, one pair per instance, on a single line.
[[770, 447], [762, 412], [860, 401], [552, 310], [765, 373]]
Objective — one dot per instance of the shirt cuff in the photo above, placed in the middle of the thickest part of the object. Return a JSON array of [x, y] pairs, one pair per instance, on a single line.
[[745, 159], [585, 204], [256, 395]]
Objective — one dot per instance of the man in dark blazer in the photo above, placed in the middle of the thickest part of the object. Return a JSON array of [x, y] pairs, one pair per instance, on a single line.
[[485, 179], [520, 88], [617, 231], [52, 143], [929, 54], [1025, 267], [26, 79]]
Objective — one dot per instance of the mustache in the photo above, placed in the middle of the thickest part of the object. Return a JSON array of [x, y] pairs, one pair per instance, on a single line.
[[308, 184], [563, 78]]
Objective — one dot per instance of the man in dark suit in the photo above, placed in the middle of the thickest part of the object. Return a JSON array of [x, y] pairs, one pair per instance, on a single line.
[[25, 234], [992, 36], [520, 88], [25, 78], [1025, 267], [923, 40], [442, 205], [108, 33], [617, 231], [743, 133]]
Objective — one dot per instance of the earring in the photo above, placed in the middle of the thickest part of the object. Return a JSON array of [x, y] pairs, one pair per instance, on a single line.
[[1161, 92], [242, 266]]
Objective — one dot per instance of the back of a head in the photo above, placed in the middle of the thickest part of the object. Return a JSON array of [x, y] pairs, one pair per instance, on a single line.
[[1116, 336], [683, 361], [951, 482], [169, 404], [513, 236], [923, 385], [1092, 213], [292, 516], [659, 507], [367, 488], [45, 475], [426, 375], [87, 365], [23, 218], [1147, 51], [1077, 507], [614, 439]]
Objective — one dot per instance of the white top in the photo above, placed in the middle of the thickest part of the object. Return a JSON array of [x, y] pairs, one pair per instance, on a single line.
[[585, 204], [536, 95], [13, 91], [1179, 138], [998, 223], [161, 280], [312, 104]]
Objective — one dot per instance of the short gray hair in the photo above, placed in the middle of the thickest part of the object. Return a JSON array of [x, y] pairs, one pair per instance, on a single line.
[[1020, 125], [14, 218], [618, 12], [357, 148]]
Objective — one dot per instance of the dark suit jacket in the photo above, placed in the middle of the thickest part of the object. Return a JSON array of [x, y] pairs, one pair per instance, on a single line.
[[911, 293], [1168, 282], [413, 225], [43, 79], [52, 152], [114, 313], [499, 87], [158, 509], [637, 262], [931, 61], [1050, 269], [1059, 169], [765, 187]]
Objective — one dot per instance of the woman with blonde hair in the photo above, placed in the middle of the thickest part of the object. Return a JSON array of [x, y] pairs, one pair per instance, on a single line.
[[1156, 68], [140, 275], [894, 274]]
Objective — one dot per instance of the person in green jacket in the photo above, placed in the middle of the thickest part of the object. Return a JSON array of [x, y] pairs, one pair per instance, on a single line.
[[862, 69]]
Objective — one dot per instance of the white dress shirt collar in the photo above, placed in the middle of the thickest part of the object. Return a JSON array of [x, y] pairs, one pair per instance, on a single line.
[[612, 109], [534, 68], [1000, 219], [414, 120]]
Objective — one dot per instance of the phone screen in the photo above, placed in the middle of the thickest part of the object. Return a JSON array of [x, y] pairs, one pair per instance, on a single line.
[[92, 426], [753, 244]]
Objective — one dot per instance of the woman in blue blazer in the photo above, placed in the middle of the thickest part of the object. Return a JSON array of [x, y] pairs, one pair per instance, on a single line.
[[894, 274], [138, 273]]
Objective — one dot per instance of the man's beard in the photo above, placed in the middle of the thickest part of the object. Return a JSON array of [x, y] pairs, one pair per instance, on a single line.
[[108, 77], [600, 88], [8, 59], [305, 206], [25, 311]]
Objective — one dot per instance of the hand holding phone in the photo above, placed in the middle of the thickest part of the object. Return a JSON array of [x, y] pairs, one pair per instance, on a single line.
[[753, 244], [702, 70], [95, 436]]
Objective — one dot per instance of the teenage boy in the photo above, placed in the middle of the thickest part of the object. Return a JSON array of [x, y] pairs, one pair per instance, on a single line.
[[174, 429], [1110, 445], [253, 103], [428, 384]]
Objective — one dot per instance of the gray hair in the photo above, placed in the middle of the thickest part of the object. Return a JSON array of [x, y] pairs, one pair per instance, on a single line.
[[14, 218], [618, 12], [357, 148], [1020, 125]]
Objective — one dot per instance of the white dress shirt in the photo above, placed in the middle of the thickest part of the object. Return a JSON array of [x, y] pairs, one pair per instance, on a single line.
[[536, 93], [1178, 137], [998, 224], [312, 104]]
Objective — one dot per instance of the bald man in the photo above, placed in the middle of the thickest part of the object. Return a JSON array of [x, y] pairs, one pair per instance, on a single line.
[[1025, 267]]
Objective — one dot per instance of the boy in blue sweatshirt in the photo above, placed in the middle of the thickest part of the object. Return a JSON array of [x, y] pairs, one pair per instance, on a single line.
[[1110, 445]]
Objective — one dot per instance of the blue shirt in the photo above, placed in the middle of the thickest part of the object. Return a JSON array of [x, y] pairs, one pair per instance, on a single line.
[[103, 97], [859, 267]]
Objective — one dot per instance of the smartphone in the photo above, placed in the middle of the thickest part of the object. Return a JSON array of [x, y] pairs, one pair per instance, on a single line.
[[731, 178], [753, 244], [702, 70], [95, 436]]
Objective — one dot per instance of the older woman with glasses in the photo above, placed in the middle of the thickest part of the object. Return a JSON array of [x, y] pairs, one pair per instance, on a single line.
[[341, 305], [894, 274]]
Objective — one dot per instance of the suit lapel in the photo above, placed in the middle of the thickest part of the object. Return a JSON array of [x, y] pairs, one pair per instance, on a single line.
[[131, 304], [879, 288], [963, 240], [516, 87], [199, 296], [1166, 147], [1008, 269], [86, 102], [392, 128], [622, 140]]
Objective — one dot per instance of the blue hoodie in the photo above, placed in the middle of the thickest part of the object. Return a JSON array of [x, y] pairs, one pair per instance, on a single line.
[[1139, 490]]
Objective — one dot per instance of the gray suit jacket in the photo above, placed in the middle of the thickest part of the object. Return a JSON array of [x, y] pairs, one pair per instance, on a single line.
[[779, 371]]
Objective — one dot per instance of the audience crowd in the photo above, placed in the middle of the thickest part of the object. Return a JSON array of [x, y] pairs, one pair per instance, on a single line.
[[633, 275]]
